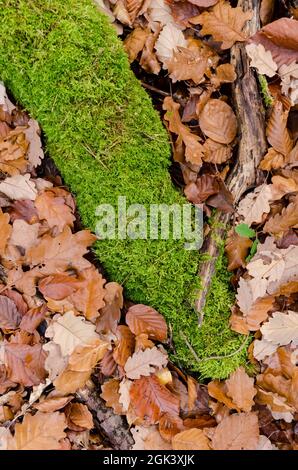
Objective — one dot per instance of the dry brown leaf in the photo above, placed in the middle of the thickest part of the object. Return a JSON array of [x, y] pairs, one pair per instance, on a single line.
[[5, 231], [148, 60], [254, 205], [33, 318], [272, 160], [111, 312], [191, 439], [240, 387], [24, 234], [135, 41], [49, 405], [125, 345], [225, 73], [150, 400], [218, 121], [25, 364], [110, 394], [216, 153], [80, 366], [282, 222], [217, 390], [193, 149], [187, 64], [148, 438], [277, 133], [143, 363], [237, 249], [35, 152], [258, 312], [143, 319], [39, 432], [10, 317], [224, 23], [54, 210], [80, 416], [237, 432], [58, 286], [169, 426]]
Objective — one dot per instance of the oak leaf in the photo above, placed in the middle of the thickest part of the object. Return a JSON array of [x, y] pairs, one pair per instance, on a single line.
[[237, 432], [150, 400], [148, 438], [254, 205], [218, 121], [187, 64], [218, 390], [281, 329], [39, 432], [224, 23], [261, 59], [282, 222], [191, 439], [240, 387], [143, 363], [143, 319], [35, 152], [54, 210], [273, 160]]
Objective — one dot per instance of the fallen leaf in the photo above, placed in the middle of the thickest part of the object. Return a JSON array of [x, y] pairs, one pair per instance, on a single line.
[[135, 41], [254, 205], [10, 317], [240, 387], [224, 23], [32, 319], [143, 319], [24, 234], [204, 187], [272, 160], [111, 312], [169, 426], [237, 432], [89, 297], [19, 187], [80, 416], [281, 329], [191, 439], [58, 286], [143, 363], [110, 393], [25, 364], [70, 331], [35, 152], [282, 222], [54, 210], [187, 64], [216, 153], [277, 133], [150, 400], [218, 390], [125, 345], [39, 432], [218, 121], [168, 41], [261, 59], [52, 404], [5, 231], [237, 249]]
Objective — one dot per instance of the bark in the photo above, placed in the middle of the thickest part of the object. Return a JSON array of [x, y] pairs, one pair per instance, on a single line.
[[113, 427], [252, 147]]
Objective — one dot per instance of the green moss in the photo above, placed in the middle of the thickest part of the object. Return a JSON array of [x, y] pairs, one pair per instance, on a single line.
[[266, 95], [63, 62]]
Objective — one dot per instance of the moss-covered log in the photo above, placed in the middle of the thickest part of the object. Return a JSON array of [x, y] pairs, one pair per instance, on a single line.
[[63, 62]]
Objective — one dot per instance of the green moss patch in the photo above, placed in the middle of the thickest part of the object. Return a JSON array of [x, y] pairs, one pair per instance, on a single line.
[[63, 62]]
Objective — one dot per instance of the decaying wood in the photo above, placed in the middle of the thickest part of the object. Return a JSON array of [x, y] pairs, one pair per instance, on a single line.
[[113, 427], [252, 147]]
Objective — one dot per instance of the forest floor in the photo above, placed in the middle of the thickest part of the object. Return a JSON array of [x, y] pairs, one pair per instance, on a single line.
[[83, 368]]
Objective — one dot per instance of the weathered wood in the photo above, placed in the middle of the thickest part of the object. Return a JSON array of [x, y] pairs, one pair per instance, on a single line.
[[252, 147], [113, 427]]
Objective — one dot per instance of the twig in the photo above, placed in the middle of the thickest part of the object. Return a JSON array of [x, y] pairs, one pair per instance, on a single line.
[[156, 90]]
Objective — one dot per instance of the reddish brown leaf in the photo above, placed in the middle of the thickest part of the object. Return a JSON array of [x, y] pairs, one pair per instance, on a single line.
[[24, 210], [150, 400], [10, 317], [125, 345], [277, 132], [108, 364], [33, 318], [110, 314], [282, 222], [237, 249], [218, 121], [205, 186], [110, 394], [49, 405], [169, 426], [5, 231], [58, 286], [143, 319], [80, 416], [25, 364]]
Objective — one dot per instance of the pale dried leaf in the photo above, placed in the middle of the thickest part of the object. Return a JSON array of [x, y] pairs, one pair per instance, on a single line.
[[261, 59], [145, 362]]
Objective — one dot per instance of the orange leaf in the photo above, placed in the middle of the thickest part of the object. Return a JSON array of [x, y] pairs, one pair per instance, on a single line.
[[277, 133], [169, 426], [25, 364], [110, 394], [5, 231], [237, 249], [10, 317], [237, 432], [150, 400], [191, 439], [240, 387], [125, 345], [80, 416], [218, 121], [54, 210], [143, 319]]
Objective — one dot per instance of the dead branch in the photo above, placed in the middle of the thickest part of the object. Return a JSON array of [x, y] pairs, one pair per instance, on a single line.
[[252, 147]]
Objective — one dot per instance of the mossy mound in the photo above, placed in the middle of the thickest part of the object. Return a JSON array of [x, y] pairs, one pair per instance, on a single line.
[[63, 62]]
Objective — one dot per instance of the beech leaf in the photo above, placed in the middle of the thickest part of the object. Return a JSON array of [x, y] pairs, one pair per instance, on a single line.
[[143, 319]]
